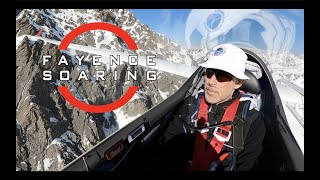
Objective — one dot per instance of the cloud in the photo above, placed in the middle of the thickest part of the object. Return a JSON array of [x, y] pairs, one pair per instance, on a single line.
[[296, 15], [173, 25], [165, 16]]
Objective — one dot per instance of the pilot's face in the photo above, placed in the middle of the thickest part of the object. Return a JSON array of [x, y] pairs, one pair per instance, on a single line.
[[219, 86]]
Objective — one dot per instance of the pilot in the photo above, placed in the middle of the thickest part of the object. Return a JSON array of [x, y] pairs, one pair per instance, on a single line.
[[216, 130]]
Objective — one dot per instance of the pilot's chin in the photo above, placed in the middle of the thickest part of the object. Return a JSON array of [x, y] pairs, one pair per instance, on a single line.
[[209, 98]]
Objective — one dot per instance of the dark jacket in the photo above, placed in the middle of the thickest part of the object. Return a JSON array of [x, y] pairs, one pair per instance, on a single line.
[[178, 142]]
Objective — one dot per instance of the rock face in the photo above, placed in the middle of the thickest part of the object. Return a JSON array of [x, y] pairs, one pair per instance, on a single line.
[[50, 132]]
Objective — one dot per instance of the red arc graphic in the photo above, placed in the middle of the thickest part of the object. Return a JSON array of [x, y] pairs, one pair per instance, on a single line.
[[64, 45]]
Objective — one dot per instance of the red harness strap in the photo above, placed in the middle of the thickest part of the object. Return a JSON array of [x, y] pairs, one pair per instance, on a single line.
[[204, 155]]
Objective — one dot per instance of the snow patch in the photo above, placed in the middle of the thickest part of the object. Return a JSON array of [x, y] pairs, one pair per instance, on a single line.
[[164, 95], [64, 138], [135, 96], [60, 160], [91, 121], [85, 140], [39, 167], [124, 119], [296, 128], [19, 40], [47, 162], [53, 120]]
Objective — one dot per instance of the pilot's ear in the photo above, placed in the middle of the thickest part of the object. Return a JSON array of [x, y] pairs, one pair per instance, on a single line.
[[239, 83]]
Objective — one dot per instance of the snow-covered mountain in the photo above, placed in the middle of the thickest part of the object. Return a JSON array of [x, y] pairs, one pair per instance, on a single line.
[[57, 23], [287, 66], [50, 132]]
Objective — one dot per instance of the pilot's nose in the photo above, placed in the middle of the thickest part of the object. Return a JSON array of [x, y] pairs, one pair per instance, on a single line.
[[212, 80]]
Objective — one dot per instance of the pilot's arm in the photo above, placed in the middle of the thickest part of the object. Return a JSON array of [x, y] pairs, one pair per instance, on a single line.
[[253, 142], [176, 126]]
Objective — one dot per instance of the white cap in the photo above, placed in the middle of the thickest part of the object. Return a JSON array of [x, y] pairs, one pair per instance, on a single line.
[[229, 58]]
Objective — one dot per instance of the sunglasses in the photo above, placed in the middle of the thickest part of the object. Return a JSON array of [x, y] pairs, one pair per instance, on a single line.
[[221, 76]]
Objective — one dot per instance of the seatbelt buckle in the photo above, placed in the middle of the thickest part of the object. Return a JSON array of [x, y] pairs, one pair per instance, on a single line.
[[220, 136], [203, 130], [202, 127]]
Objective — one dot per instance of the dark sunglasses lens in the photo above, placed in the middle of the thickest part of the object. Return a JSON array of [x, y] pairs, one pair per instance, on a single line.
[[209, 73], [221, 76]]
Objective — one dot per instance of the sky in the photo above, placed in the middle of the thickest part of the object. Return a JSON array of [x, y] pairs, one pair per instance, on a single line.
[[172, 23]]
